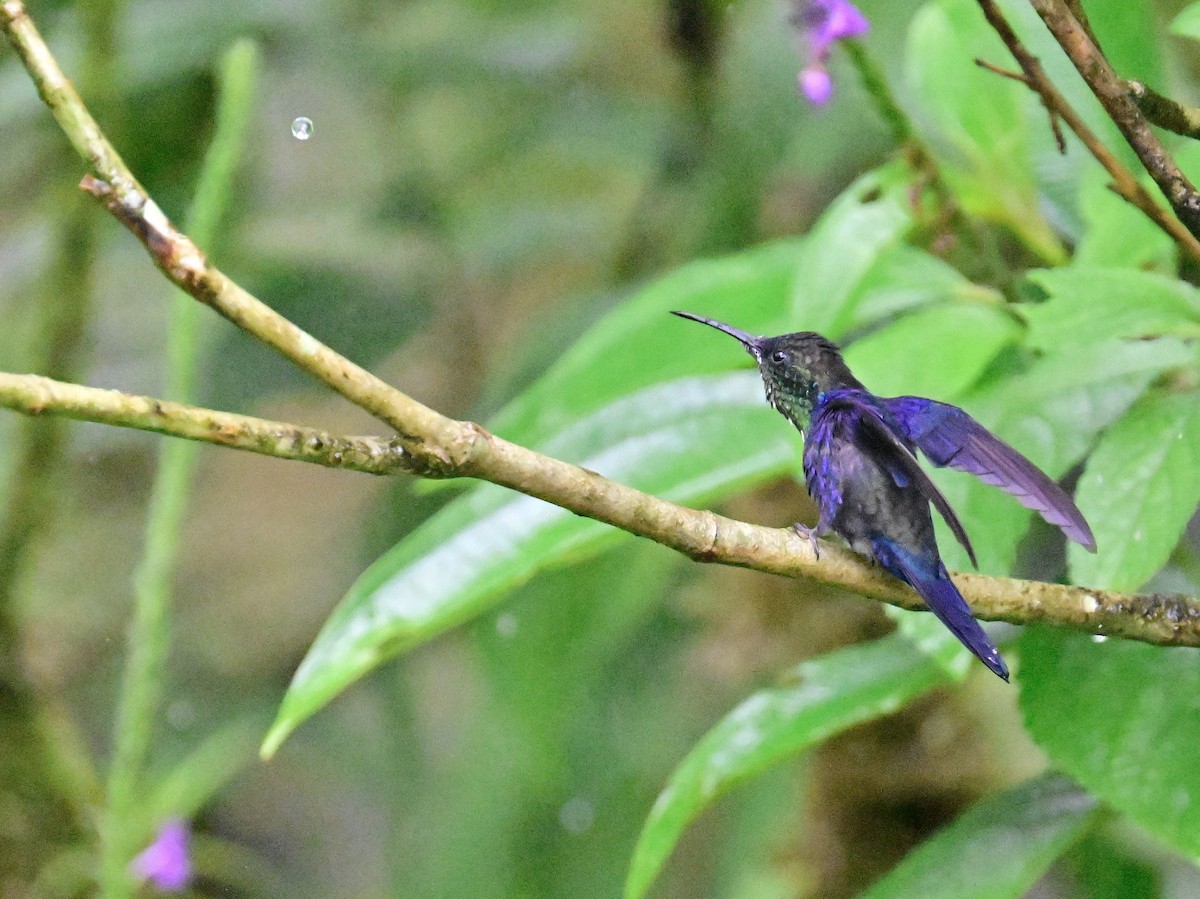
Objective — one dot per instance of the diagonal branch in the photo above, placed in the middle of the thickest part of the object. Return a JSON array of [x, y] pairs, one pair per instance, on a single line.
[[436, 446], [1124, 182], [1114, 96]]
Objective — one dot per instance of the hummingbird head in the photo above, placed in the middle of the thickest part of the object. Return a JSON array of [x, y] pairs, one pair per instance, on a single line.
[[796, 368]]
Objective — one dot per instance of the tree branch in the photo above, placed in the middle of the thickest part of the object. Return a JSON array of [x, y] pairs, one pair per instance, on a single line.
[[1124, 182], [35, 395], [704, 536], [1114, 96], [436, 446]]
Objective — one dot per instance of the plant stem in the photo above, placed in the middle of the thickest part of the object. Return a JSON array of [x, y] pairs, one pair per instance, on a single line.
[[149, 631]]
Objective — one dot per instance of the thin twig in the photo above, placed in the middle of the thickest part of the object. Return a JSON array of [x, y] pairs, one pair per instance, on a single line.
[[437, 446], [1060, 140], [1113, 95], [36, 395], [1124, 182]]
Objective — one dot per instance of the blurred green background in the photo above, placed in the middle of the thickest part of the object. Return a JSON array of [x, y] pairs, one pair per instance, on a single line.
[[484, 180]]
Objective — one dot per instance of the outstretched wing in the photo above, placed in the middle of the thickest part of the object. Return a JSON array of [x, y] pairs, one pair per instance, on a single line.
[[949, 436], [892, 451]]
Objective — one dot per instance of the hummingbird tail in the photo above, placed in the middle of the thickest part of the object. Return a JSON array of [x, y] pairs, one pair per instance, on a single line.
[[929, 578]]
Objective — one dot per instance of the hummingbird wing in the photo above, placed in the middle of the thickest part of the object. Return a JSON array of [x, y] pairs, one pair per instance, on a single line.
[[881, 443], [949, 436]]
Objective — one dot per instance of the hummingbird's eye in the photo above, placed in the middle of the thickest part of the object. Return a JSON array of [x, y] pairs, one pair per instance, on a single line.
[[779, 357]]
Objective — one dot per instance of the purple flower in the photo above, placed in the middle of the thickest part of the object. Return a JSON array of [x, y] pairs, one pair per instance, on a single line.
[[821, 23], [165, 861]]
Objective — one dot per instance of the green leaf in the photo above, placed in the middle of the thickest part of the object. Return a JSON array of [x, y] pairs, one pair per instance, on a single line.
[[905, 278], [1118, 234], [639, 343], [934, 639], [1051, 413], [688, 441], [980, 116], [1089, 305], [1120, 717], [1106, 862], [830, 694], [996, 850], [1127, 31], [868, 219], [937, 352], [192, 781], [1139, 490], [1187, 23]]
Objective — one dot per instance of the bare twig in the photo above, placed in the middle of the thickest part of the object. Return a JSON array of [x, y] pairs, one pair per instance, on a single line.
[[36, 395], [1114, 96], [437, 446], [1124, 182], [1060, 140]]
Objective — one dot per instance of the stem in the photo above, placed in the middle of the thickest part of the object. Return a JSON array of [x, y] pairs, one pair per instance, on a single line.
[[44, 808], [149, 632], [923, 160]]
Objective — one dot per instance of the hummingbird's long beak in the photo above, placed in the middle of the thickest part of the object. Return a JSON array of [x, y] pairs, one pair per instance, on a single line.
[[749, 341]]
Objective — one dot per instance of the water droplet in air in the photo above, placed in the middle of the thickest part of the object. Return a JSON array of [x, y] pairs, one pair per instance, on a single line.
[[302, 127]]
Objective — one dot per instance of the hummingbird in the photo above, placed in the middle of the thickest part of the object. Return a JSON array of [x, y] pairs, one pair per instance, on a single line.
[[861, 469]]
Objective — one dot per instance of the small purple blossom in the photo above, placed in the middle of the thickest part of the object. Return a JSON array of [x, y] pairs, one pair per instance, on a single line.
[[165, 862], [822, 23]]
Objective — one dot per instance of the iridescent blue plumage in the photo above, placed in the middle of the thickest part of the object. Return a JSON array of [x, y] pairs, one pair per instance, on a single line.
[[861, 470]]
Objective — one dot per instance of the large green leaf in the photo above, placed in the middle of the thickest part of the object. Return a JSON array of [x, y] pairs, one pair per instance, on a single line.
[[1127, 31], [905, 278], [1118, 234], [639, 343], [1088, 305], [1139, 490], [862, 225], [1122, 719], [687, 440], [1051, 413], [828, 695], [937, 352], [996, 850], [933, 638]]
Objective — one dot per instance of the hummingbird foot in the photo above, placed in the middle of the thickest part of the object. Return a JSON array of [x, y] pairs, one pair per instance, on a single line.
[[811, 535]]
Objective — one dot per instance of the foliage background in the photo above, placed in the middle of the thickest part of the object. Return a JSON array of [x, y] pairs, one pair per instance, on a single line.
[[485, 181]]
